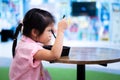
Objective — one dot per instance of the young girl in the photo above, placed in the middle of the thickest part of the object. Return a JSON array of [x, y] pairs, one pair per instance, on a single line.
[[28, 54]]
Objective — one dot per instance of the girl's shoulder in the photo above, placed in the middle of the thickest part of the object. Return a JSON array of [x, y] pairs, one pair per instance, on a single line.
[[29, 42], [29, 45]]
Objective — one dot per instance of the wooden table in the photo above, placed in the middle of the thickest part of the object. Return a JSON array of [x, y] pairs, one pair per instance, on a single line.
[[90, 55]]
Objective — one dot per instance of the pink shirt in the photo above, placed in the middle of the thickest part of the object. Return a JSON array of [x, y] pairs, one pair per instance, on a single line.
[[23, 67]]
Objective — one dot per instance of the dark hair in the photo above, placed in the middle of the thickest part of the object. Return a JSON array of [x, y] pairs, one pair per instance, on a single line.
[[34, 19]]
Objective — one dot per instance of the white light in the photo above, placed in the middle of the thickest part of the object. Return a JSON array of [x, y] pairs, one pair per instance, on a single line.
[[35, 2], [98, 5], [51, 1]]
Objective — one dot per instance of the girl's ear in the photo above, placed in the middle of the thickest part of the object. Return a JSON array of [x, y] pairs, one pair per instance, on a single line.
[[34, 32]]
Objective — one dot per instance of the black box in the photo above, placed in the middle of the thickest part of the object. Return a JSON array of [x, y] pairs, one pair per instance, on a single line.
[[65, 51]]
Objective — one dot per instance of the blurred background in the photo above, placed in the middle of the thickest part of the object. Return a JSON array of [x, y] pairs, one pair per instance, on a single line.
[[89, 20], [91, 23]]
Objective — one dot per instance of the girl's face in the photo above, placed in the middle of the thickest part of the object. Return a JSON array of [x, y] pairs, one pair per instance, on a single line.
[[46, 36]]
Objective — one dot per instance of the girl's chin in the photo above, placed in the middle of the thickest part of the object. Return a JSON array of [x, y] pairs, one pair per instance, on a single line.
[[47, 43]]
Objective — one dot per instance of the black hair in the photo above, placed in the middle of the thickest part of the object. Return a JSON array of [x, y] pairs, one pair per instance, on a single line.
[[34, 19]]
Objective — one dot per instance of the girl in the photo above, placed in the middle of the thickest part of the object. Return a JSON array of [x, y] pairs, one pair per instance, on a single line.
[[28, 54]]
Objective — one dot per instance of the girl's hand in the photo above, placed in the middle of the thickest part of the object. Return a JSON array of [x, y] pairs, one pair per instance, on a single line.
[[62, 25]]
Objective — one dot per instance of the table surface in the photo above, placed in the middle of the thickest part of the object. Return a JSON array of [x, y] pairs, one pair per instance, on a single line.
[[91, 55]]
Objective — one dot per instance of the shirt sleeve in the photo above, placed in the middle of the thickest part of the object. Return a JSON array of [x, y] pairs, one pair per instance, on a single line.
[[27, 51], [34, 49]]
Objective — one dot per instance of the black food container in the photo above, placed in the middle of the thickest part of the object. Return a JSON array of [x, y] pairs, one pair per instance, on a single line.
[[65, 51]]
